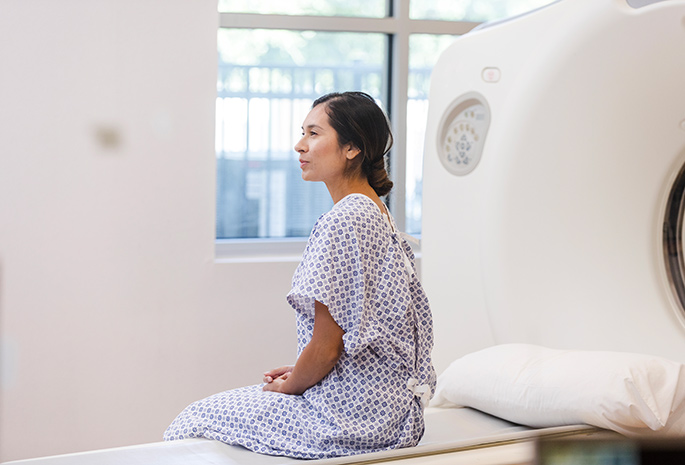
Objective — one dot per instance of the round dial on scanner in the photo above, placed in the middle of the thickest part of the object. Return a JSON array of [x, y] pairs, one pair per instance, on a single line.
[[462, 132]]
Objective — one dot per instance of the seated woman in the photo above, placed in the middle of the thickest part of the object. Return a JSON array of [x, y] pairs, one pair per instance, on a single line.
[[364, 327]]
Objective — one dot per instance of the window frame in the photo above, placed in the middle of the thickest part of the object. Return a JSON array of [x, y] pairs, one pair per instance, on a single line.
[[399, 27]]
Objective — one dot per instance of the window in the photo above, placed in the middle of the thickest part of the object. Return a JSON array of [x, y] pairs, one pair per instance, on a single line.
[[352, 8], [265, 88], [472, 10], [276, 57]]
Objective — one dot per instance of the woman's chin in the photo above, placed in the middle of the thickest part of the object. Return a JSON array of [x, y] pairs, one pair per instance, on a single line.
[[307, 176]]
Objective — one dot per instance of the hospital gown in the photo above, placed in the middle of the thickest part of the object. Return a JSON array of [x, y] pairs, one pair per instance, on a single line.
[[360, 267]]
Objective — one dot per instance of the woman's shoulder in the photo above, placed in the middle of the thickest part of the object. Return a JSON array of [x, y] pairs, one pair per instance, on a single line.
[[357, 203], [357, 209], [349, 212]]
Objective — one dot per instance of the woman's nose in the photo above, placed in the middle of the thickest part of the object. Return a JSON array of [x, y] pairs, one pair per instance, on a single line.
[[299, 147]]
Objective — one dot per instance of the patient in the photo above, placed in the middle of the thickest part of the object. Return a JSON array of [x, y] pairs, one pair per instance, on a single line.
[[364, 327]]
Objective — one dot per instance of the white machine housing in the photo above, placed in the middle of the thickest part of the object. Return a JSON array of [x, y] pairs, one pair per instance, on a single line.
[[554, 235]]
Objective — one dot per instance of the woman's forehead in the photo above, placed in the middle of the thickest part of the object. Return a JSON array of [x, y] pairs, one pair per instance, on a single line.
[[317, 117]]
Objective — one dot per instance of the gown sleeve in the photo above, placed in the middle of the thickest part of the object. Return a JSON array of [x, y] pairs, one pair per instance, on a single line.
[[331, 272]]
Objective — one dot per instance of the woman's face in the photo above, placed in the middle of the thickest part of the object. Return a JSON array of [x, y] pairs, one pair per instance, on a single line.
[[321, 157]]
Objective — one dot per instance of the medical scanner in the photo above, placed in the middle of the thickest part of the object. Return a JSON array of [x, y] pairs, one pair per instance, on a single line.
[[554, 179], [554, 186]]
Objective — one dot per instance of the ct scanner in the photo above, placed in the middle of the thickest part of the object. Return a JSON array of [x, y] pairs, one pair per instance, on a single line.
[[554, 187], [554, 179]]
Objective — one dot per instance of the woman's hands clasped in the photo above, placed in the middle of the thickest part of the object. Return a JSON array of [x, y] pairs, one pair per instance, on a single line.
[[276, 377]]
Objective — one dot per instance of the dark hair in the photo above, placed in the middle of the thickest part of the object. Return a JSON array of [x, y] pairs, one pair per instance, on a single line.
[[359, 121]]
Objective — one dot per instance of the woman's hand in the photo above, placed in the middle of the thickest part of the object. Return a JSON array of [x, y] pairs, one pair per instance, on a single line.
[[275, 378], [276, 385], [271, 375]]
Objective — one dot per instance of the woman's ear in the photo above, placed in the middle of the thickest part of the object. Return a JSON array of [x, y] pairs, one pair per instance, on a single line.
[[352, 151]]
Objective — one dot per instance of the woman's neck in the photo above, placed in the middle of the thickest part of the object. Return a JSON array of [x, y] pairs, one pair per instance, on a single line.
[[354, 186]]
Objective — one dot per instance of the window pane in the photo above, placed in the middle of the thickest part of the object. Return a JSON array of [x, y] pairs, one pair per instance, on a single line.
[[359, 8], [471, 10], [266, 84], [424, 50]]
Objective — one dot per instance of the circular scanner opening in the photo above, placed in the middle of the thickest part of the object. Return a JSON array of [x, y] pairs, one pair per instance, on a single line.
[[673, 241]]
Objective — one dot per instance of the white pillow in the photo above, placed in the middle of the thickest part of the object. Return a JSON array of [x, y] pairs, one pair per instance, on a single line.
[[536, 386]]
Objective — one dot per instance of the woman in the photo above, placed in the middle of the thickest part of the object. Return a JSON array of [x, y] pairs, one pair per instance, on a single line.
[[363, 373]]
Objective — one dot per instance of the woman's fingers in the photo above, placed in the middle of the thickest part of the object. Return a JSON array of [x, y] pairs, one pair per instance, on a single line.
[[278, 371], [281, 372]]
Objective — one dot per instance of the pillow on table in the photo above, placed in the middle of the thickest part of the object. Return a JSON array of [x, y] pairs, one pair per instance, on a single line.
[[633, 394]]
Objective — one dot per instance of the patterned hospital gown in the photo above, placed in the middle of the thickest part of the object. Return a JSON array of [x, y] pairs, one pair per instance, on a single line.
[[358, 266]]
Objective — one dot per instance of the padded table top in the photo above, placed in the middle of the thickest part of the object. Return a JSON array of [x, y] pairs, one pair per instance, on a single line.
[[448, 430]]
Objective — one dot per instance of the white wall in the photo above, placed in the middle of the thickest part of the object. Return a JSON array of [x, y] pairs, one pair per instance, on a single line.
[[114, 315]]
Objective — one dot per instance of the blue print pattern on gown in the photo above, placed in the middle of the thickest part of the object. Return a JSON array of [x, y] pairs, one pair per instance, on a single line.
[[358, 266]]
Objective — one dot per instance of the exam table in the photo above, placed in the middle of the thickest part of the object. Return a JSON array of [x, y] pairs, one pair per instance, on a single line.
[[453, 435]]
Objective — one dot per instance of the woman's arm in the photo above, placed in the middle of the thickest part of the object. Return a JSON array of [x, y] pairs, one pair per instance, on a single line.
[[317, 359]]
